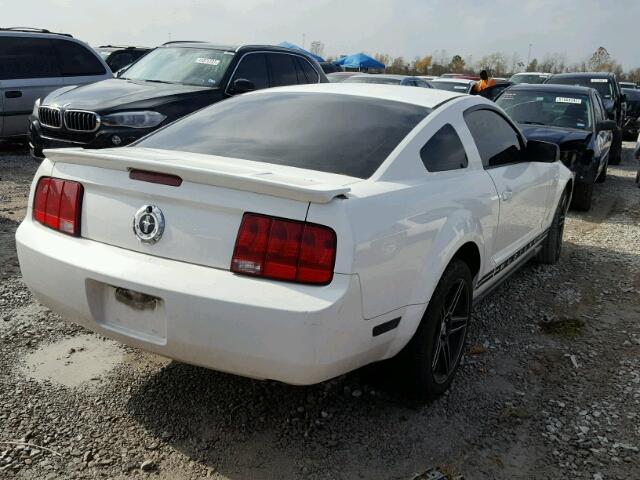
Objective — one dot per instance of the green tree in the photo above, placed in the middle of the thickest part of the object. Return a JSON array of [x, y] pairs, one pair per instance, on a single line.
[[456, 65]]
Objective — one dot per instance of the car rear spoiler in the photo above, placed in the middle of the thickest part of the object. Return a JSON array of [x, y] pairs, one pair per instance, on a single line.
[[268, 179]]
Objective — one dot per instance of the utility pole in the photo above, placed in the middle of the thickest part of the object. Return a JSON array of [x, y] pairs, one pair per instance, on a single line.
[[529, 56]]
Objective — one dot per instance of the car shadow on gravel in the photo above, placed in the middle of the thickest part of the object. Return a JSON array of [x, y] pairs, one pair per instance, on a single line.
[[263, 429], [8, 257]]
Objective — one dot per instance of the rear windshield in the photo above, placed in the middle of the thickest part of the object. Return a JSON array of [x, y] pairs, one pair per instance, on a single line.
[[344, 134], [528, 78], [531, 107], [374, 79], [602, 85], [451, 86]]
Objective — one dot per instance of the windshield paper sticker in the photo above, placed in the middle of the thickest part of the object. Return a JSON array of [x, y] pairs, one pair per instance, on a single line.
[[576, 101], [208, 61], [599, 80]]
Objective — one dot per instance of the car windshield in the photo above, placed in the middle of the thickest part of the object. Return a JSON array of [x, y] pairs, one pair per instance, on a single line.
[[528, 78], [184, 65], [374, 79], [530, 107], [344, 134], [451, 86], [602, 85]]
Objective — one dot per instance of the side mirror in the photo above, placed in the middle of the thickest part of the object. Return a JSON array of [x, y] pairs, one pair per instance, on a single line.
[[603, 125], [538, 151], [242, 85]]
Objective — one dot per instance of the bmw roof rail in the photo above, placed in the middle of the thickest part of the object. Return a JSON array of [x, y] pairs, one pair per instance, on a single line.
[[183, 41], [124, 47], [33, 30]]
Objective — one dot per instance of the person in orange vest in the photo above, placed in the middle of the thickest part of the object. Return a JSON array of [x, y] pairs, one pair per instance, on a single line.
[[485, 82]]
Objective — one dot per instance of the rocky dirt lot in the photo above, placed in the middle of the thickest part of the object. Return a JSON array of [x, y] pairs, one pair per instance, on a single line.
[[549, 389]]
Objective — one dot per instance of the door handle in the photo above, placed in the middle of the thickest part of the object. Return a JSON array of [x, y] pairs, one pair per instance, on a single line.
[[13, 94], [507, 195]]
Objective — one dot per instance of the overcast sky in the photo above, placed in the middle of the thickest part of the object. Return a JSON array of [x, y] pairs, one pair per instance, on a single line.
[[398, 27]]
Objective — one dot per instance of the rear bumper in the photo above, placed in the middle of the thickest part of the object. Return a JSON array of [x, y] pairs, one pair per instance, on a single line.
[[297, 334]]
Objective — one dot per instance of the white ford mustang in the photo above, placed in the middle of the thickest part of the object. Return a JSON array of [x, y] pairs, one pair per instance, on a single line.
[[298, 233]]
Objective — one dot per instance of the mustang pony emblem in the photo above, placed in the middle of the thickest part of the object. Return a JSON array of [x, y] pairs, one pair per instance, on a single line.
[[148, 224]]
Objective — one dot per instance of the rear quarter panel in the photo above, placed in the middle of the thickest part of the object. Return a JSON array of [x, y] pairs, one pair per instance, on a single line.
[[399, 230]]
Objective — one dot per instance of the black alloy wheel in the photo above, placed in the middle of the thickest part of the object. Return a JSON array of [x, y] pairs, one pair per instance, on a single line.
[[449, 342]]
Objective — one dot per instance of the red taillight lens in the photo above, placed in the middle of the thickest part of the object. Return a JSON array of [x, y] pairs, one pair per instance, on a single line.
[[284, 250], [57, 204]]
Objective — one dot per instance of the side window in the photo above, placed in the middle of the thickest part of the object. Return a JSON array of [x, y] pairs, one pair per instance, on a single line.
[[283, 69], [76, 60], [310, 74], [120, 60], [26, 57], [497, 141], [444, 151], [253, 67]]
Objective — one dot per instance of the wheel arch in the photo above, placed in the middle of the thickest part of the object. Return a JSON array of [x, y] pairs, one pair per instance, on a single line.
[[468, 248]]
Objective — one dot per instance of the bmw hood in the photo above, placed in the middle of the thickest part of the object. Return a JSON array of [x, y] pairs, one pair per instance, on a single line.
[[116, 93], [559, 136]]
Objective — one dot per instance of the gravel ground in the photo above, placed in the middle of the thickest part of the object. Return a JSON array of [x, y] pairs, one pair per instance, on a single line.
[[550, 387]]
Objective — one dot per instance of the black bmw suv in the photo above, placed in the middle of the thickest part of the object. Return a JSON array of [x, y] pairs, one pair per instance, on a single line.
[[168, 83]]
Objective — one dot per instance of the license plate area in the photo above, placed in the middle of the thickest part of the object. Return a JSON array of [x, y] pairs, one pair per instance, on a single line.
[[127, 311]]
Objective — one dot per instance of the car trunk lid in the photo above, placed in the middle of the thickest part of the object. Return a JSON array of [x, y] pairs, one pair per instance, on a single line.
[[202, 214]]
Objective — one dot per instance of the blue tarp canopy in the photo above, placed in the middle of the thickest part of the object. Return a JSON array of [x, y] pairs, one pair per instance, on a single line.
[[359, 60], [296, 47]]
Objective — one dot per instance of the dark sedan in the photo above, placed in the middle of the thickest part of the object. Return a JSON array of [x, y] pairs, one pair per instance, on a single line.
[[572, 117]]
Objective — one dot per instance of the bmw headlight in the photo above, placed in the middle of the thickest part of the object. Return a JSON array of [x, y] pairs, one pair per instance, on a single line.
[[36, 106], [146, 119]]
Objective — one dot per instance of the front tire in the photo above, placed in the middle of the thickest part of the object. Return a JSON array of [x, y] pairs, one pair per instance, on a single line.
[[603, 174], [430, 360], [582, 195], [552, 246]]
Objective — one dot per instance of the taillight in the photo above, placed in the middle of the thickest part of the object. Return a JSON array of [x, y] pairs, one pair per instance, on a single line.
[[57, 204], [284, 250]]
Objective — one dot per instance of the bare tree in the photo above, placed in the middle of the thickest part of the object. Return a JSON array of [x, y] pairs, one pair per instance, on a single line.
[[317, 48]]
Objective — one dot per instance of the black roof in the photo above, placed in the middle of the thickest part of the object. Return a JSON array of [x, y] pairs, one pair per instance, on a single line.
[[584, 75], [122, 47], [32, 30], [552, 88], [232, 48]]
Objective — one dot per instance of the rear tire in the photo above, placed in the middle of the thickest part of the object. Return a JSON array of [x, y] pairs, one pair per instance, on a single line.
[[615, 153], [582, 195], [430, 360], [552, 246]]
